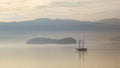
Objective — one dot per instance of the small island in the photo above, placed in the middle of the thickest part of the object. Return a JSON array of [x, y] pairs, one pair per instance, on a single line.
[[51, 41]]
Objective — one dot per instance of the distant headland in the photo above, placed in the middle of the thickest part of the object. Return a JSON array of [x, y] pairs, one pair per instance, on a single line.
[[68, 40]]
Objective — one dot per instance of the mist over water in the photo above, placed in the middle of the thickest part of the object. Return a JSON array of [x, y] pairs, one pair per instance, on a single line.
[[102, 52], [95, 37]]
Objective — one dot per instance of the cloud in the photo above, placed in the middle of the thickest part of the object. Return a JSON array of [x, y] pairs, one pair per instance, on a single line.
[[74, 9], [82, 3], [66, 4]]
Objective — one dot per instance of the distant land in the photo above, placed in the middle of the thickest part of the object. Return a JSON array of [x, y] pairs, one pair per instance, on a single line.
[[113, 21], [51, 41], [45, 24]]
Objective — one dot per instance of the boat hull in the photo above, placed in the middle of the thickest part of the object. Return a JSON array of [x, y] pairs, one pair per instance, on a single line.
[[81, 49]]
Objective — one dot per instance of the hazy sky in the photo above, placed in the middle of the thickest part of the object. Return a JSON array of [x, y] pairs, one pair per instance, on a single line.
[[17, 10]]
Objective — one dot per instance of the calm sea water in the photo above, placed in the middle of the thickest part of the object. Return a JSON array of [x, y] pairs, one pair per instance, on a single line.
[[60, 56]]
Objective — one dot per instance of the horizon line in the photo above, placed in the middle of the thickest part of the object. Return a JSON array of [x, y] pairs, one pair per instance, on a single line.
[[54, 19]]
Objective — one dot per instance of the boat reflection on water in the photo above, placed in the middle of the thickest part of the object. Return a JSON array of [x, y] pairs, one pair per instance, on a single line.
[[82, 55]]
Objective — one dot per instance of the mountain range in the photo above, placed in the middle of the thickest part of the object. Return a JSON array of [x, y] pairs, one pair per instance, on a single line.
[[45, 24]]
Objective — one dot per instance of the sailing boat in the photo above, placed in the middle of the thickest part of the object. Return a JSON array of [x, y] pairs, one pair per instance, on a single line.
[[81, 45]]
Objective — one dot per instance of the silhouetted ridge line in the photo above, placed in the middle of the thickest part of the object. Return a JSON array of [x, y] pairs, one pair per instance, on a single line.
[[51, 41], [45, 24]]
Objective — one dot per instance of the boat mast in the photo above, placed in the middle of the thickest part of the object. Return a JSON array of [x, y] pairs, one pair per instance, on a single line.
[[79, 43], [83, 42]]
